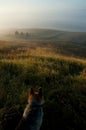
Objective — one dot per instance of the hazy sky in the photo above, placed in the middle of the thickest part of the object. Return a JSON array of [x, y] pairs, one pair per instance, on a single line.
[[42, 13]]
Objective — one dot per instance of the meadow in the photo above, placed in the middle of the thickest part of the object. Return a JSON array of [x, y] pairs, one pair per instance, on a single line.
[[58, 67]]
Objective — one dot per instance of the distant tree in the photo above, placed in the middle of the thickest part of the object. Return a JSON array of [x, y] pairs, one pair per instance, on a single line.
[[22, 34], [27, 34], [16, 33]]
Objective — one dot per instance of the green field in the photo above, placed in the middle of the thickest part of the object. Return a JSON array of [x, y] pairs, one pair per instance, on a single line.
[[57, 64]]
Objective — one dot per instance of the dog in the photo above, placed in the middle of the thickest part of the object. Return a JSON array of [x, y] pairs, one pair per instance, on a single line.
[[33, 113]]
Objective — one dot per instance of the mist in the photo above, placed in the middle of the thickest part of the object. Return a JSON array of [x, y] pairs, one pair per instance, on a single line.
[[70, 16]]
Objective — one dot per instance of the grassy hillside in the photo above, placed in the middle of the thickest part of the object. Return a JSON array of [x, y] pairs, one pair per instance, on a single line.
[[44, 34], [39, 63], [15, 48], [61, 42]]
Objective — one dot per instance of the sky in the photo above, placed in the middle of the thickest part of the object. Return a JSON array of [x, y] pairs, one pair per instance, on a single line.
[[54, 14]]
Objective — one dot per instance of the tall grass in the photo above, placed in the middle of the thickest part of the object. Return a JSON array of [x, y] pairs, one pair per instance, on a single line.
[[62, 78]]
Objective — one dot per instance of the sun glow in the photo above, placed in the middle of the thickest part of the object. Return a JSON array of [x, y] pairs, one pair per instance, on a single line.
[[38, 14]]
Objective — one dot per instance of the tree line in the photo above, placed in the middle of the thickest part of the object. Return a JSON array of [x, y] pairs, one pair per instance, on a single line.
[[26, 34]]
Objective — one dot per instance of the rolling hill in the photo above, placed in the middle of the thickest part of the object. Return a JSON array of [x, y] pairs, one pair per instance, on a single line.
[[61, 42], [54, 60]]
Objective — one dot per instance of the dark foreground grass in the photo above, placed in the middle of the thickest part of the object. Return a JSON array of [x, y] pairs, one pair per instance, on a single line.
[[64, 84]]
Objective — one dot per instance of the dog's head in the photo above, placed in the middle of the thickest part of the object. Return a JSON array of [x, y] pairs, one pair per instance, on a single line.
[[36, 98]]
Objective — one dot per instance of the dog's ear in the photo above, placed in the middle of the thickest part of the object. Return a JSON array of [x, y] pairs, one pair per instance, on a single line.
[[40, 93], [31, 94], [31, 91]]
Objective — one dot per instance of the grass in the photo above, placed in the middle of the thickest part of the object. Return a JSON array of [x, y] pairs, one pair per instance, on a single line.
[[62, 78]]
